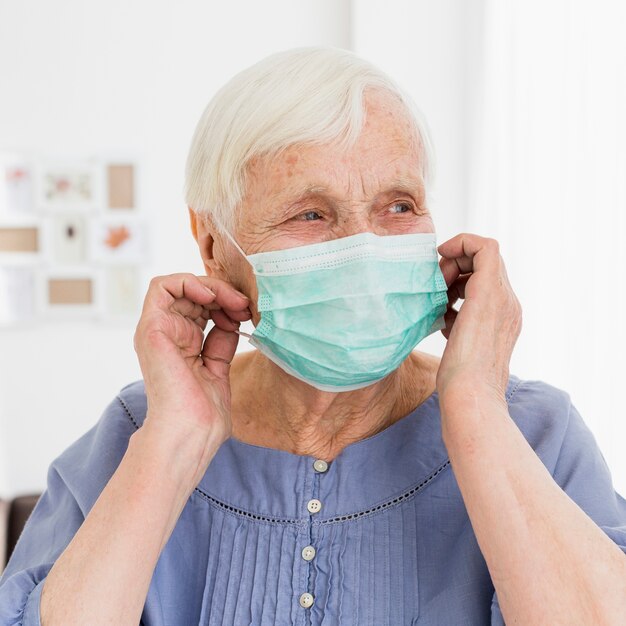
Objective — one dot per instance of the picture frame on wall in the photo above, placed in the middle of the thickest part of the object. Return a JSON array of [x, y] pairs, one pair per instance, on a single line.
[[65, 238], [68, 184], [71, 229], [121, 185], [69, 293], [118, 240], [122, 292], [18, 295], [16, 185], [21, 240]]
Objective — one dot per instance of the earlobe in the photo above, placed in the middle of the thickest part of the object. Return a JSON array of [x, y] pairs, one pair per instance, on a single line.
[[204, 240], [211, 264], [211, 268]]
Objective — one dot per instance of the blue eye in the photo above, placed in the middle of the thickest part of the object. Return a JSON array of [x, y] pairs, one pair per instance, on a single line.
[[405, 205], [311, 216]]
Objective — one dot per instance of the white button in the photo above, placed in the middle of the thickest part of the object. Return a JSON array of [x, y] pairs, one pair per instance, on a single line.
[[306, 600], [314, 505], [320, 465], [308, 553]]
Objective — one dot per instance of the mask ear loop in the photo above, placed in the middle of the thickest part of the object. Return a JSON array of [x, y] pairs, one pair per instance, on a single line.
[[243, 254]]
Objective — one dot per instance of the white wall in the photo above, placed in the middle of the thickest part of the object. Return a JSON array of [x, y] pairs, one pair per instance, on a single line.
[[114, 77], [548, 181]]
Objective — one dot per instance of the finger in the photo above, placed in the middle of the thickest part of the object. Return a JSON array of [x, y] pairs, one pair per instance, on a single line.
[[164, 290], [218, 351], [456, 291], [450, 270], [201, 321], [195, 311], [471, 253], [233, 306], [239, 316], [187, 308], [227, 296], [449, 318], [224, 322]]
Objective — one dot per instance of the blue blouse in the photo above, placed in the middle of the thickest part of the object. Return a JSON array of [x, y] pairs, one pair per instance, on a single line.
[[378, 536]]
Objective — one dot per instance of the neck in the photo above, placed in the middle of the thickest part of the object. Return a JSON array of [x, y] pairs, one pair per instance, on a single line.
[[275, 410]]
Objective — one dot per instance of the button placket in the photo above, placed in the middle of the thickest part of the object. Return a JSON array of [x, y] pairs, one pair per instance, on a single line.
[[314, 505]]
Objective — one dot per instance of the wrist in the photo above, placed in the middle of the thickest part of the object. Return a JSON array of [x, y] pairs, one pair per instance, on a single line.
[[464, 392], [183, 455], [468, 409]]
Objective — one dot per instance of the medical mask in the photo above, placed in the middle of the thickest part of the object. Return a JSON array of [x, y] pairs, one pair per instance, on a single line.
[[343, 314]]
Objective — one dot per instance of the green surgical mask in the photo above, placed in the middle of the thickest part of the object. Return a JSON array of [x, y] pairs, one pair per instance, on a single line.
[[343, 314]]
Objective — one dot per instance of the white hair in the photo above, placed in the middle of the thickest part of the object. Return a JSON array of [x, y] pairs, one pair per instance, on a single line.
[[302, 95]]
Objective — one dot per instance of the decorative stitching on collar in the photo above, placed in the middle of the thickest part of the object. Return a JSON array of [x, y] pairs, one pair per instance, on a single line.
[[241, 512], [386, 505], [333, 520], [342, 518]]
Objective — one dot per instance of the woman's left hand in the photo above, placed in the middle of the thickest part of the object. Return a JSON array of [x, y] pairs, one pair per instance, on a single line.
[[482, 334]]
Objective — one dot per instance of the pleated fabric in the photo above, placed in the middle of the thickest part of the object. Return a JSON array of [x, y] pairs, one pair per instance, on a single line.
[[393, 542], [391, 517]]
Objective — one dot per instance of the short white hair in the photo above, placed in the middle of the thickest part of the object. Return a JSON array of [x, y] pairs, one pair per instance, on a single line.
[[310, 94]]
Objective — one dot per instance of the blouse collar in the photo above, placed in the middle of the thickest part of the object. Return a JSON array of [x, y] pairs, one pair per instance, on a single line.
[[277, 485]]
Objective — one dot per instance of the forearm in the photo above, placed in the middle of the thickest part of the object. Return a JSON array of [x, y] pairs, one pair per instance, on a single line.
[[549, 561], [104, 574]]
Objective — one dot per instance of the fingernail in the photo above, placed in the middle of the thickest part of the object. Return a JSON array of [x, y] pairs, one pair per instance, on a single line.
[[243, 295], [209, 290]]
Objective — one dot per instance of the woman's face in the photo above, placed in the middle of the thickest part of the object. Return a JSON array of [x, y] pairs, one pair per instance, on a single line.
[[317, 193]]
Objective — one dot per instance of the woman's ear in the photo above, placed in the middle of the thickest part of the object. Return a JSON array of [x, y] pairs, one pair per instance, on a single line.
[[193, 221], [201, 228]]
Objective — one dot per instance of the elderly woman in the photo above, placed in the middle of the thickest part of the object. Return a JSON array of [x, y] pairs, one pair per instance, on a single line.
[[333, 475]]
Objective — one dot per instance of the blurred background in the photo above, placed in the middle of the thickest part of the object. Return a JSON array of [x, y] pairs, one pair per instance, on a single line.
[[525, 103]]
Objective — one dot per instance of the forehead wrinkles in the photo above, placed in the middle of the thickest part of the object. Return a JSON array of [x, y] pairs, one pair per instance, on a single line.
[[386, 150], [363, 179]]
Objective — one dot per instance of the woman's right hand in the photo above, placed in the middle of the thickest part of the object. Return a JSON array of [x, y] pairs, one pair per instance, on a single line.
[[188, 418], [187, 376]]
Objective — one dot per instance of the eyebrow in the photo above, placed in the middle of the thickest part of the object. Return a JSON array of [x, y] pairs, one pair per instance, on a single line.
[[403, 184]]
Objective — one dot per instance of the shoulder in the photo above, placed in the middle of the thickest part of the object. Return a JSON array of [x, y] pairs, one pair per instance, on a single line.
[[132, 398], [542, 412], [568, 448], [86, 465]]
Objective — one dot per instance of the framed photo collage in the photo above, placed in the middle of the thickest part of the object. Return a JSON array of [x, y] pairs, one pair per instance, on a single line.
[[72, 239]]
